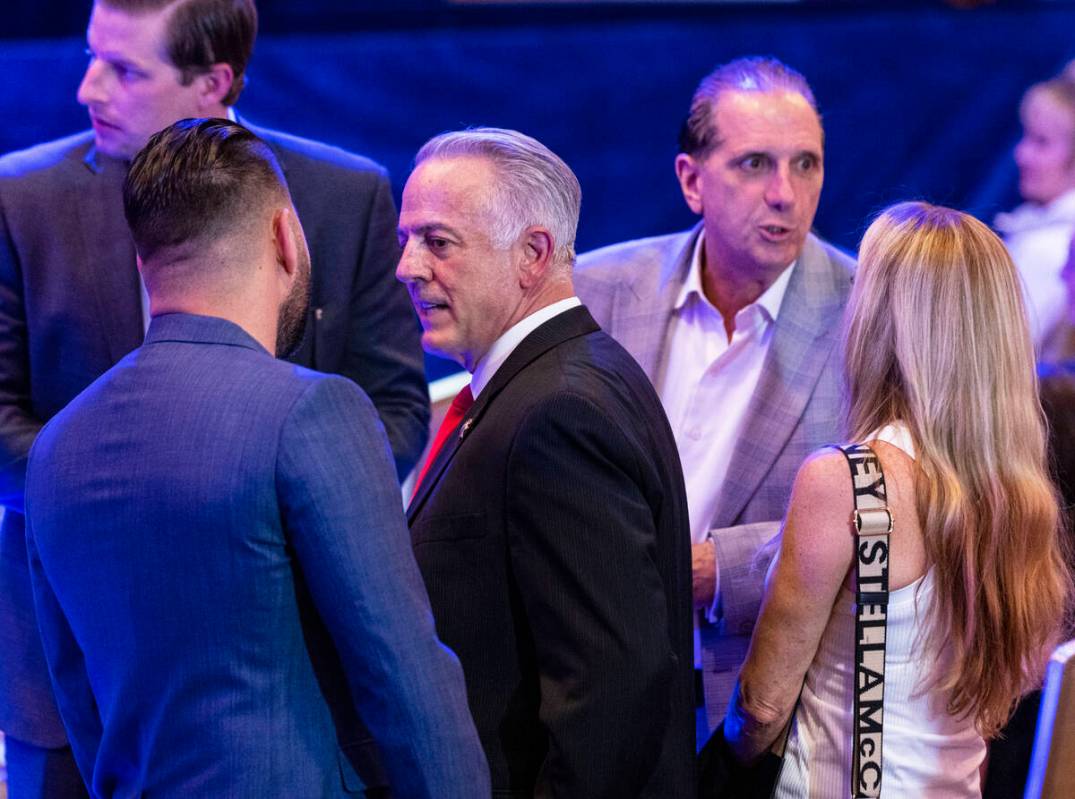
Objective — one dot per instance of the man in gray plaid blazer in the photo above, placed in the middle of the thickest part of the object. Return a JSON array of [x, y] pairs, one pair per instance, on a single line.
[[737, 323]]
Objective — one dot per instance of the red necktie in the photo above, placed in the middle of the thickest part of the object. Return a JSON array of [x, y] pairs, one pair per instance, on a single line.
[[456, 411]]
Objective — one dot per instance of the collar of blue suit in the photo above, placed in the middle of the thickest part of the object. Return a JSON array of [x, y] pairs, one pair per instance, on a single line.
[[199, 329]]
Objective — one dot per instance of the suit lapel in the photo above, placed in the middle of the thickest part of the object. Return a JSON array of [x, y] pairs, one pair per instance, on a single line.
[[790, 372], [642, 315], [110, 252], [570, 324]]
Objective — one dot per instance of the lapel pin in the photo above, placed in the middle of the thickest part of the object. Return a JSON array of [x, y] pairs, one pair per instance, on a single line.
[[465, 428]]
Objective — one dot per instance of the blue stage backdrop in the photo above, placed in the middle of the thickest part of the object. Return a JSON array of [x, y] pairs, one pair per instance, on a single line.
[[919, 101]]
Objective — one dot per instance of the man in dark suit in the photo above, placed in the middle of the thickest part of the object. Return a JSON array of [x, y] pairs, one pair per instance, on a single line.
[[71, 304], [215, 535], [551, 526]]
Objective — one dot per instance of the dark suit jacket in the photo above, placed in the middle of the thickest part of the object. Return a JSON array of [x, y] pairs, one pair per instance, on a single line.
[[70, 309], [196, 518], [554, 542]]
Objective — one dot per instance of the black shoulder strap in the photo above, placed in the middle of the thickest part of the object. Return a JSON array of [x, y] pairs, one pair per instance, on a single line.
[[873, 523]]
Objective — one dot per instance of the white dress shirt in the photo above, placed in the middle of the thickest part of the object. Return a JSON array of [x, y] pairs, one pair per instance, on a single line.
[[706, 390], [488, 365], [709, 381]]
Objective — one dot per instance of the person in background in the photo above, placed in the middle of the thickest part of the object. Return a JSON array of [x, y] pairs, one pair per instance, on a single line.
[[72, 305], [735, 323], [1038, 231], [1056, 371], [218, 553], [979, 585]]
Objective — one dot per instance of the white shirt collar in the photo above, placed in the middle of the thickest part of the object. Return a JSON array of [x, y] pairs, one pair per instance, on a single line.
[[511, 338], [769, 301]]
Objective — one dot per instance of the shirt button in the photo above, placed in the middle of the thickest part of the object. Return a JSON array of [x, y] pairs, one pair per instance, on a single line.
[[695, 434]]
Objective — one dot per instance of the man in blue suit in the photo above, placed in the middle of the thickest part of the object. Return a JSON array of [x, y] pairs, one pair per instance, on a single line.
[[71, 304], [219, 560]]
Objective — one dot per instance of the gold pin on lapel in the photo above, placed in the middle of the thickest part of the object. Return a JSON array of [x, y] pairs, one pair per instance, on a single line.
[[465, 428]]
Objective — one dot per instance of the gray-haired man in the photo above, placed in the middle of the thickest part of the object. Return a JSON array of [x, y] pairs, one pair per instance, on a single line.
[[551, 527]]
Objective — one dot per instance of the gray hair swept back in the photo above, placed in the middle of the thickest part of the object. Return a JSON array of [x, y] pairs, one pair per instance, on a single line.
[[535, 186]]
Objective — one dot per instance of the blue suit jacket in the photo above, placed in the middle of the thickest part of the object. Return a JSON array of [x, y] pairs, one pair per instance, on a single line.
[[70, 310], [215, 540]]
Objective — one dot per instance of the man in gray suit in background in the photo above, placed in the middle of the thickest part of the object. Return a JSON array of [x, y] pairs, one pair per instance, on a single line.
[[736, 322]]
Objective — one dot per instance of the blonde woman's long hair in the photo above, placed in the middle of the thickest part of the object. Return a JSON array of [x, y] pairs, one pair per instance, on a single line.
[[936, 336]]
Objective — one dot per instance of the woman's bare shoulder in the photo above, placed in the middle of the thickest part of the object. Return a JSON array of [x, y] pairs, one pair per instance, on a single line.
[[818, 526]]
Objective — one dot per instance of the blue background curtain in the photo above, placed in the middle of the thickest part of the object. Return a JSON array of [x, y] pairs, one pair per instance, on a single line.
[[919, 100]]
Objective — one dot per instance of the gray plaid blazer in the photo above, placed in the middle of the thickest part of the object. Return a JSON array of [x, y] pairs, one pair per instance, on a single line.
[[631, 289]]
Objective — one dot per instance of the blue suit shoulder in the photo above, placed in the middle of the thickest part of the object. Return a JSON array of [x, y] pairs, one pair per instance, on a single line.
[[245, 368], [268, 388], [256, 368]]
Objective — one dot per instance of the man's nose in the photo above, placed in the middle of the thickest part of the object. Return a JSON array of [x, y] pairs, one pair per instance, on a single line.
[[92, 88], [409, 268], [779, 192]]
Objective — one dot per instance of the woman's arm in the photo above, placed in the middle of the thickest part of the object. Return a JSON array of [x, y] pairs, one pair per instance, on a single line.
[[816, 551]]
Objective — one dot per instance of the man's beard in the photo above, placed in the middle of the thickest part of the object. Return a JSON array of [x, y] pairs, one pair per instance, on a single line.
[[292, 324]]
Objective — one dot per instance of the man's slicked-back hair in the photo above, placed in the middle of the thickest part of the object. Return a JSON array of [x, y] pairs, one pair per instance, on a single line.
[[194, 183], [202, 33], [699, 135], [535, 186]]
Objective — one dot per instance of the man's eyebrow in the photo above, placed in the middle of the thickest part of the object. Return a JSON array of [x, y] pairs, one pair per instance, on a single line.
[[428, 228], [739, 155], [113, 58], [762, 153]]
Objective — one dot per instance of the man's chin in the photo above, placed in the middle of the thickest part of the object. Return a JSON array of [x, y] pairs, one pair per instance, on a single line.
[[441, 349], [778, 256], [113, 148]]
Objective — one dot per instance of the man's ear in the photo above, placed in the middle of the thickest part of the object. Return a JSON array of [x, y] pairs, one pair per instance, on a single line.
[[214, 85], [539, 247], [688, 173], [285, 243]]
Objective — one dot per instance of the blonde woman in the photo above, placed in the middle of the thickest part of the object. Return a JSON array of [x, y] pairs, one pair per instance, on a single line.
[[940, 381]]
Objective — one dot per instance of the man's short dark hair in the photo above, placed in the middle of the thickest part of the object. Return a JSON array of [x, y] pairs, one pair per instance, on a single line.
[[699, 136], [204, 32], [195, 181]]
